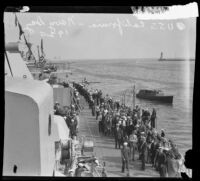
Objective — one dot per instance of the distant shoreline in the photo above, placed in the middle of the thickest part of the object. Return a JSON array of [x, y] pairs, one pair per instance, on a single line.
[[176, 59], [112, 59]]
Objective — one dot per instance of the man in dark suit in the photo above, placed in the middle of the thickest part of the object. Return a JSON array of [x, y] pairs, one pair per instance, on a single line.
[[93, 107], [97, 112], [153, 118], [162, 163], [144, 151], [73, 127], [118, 133], [125, 154], [133, 144], [142, 128]]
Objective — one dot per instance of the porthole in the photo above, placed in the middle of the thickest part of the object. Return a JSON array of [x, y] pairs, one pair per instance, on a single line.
[[49, 125], [24, 76], [15, 169]]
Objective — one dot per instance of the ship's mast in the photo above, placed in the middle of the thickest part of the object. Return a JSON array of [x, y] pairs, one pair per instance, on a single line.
[[38, 52], [42, 49], [134, 96]]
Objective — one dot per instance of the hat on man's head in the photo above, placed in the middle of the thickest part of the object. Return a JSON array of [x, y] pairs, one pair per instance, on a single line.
[[123, 113], [137, 126], [80, 165], [143, 138], [166, 149], [97, 162], [164, 140]]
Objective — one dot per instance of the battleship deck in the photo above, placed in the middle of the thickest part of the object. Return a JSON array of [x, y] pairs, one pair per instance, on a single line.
[[105, 150]]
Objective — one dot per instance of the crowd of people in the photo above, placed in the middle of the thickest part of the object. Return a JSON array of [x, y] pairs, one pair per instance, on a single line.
[[134, 131], [71, 116], [70, 113]]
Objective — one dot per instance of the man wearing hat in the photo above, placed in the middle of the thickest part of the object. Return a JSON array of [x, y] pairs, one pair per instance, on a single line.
[[125, 154], [76, 119], [138, 111], [159, 151], [56, 104], [142, 128], [171, 164], [153, 118], [93, 107], [72, 107], [115, 120], [175, 151], [79, 170], [162, 162], [153, 149], [162, 134], [133, 144], [124, 124], [57, 108], [99, 94], [97, 112], [141, 136], [129, 126], [136, 120], [117, 104], [144, 151], [73, 128], [118, 133]]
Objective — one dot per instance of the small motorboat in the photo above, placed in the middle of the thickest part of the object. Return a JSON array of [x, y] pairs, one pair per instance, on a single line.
[[154, 95]]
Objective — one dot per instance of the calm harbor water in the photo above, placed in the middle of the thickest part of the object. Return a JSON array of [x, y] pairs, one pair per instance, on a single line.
[[173, 77]]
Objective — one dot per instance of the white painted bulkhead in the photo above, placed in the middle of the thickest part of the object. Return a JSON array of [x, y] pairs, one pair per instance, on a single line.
[[21, 136], [29, 142]]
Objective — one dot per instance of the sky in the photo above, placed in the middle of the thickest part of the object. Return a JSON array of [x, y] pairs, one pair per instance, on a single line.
[[104, 36]]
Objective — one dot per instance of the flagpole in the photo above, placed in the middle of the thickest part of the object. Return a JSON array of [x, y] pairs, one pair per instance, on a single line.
[[21, 31], [29, 48]]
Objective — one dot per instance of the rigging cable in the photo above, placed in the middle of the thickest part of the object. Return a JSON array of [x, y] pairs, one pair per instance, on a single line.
[[8, 63]]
